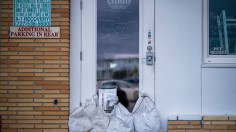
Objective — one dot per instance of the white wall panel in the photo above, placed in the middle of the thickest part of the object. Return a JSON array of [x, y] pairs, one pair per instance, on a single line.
[[219, 91], [178, 52]]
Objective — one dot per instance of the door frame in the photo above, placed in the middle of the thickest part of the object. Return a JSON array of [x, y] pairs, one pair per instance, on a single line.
[[83, 64]]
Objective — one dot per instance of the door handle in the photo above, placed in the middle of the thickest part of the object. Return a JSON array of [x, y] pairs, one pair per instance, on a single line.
[[149, 58]]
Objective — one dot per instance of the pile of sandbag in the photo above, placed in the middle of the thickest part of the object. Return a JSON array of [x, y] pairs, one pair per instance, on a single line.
[[92, 118]]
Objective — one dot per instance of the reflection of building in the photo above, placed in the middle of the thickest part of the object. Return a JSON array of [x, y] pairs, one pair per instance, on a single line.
[[226, 37], [117, 66]]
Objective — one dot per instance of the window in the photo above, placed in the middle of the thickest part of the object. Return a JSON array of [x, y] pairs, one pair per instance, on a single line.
[[219, 31]]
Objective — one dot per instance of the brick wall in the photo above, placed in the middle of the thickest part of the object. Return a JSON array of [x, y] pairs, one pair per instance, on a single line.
[[207, 124], [33, 74]]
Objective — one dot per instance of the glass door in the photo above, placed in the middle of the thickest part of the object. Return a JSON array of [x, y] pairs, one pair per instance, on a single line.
[[118, 48]]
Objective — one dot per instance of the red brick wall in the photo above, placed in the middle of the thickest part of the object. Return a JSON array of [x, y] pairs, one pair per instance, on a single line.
[[207, 124], [34, 73]]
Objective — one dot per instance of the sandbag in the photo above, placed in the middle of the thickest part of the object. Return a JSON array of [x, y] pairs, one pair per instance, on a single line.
[[146, 116], [121, 120], [79, 121], [99, 120], [90, 118]]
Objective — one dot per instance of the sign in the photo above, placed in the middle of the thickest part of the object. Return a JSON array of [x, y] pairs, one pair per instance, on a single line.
[[118, 4], [107, 98], [35, 32], [32, 12]]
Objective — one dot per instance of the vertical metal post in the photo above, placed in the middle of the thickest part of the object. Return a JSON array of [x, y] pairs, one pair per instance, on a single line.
[[220, 32], [225, 32]]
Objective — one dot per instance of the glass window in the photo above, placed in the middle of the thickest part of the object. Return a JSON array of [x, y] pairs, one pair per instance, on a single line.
[[118, 45], [221, 44], [117, 40]]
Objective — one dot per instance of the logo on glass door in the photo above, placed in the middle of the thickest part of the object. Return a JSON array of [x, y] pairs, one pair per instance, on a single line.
[[118, 4]]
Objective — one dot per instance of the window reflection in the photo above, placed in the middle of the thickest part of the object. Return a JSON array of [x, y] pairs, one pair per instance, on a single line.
[[222, 27], [118, 46]]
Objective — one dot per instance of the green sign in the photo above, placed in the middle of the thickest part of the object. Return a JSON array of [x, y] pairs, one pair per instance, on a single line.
[[32, 12]]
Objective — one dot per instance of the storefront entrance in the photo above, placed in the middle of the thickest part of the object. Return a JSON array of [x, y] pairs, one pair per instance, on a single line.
[[116, 48]]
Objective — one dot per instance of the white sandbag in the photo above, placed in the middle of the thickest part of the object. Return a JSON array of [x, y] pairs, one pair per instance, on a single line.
[[79, 121], [88, 118], [146, 116], [99, 120], [121, 120]]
